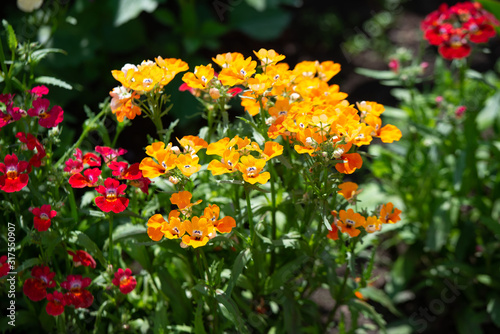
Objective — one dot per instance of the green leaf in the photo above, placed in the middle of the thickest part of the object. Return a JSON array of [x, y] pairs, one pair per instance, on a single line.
[[259, 5], [199, 327], [487, 116], [380, 297], [38, 55], [27, 264], [379, 75], [130, 9], [369, 312], [11, 36], [493, 309], [165, 17], [84, 240], [126, 231], [53, 81], [241, 261], [231, 312]]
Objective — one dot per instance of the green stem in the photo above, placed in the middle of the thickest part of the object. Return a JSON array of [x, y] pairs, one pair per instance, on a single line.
[[338, 298], [110, 244], [250, 217], [273, 217]]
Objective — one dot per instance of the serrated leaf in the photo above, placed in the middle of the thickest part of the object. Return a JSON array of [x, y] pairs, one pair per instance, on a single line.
[[53, 81], [84, 240], [380, 297], [369, 312], [11, 36], [38, 55], [130, 9], [199, 327]]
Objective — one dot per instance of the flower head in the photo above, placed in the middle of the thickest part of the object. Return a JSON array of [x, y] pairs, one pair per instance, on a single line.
[[198, 232], [35, 288], [81, 257], [124, 280], [77, 295], [389, 214], [349, 221], [4, 266], [43, 216], [14, 178], [47, 118], [56, 303], [111, 199], [88, 179]]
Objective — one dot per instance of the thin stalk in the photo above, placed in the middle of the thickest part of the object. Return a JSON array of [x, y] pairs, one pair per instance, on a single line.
[[110, 244], [273, 217]]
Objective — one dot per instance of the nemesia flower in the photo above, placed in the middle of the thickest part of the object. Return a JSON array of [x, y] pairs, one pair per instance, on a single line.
[[4, 266], [77, 295], [122, 103], [225, 60], [372, 224], [14, 178], [349, 221], [39, 91], [35, 288], [268, 57], [109, 154], [183, 200], [334, 233], [389, 214], [348, 190], [187, 164], [198, 231], [228, 163], [251, 169], [142, 183], [56, 303], [88, 179], [12, 113], [32, 144], [238, 72], [43, 216], [224, 225], [47, 118], [155, 224], [350, 162], [200, 78], [122, 170], [192, 144], [81, 257], [124, 280], [111, 199]]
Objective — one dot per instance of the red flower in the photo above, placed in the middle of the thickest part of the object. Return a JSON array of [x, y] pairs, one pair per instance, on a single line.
[[36, 288], [141, 183], [480, 30], [88, 179], [111, 199], [56, 303], [43, 216], [4, 266], [184, 87], [47, 119], [13, 179], [235, 91], [122, 171], [124, 280], [39, 91], [109, 154], [77, 295], [455, 45], [81, 257], [32, 144], [74, 166], [12, 114]]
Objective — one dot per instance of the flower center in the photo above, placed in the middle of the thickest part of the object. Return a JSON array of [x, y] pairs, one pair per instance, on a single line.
[[11, 172], [350, 223], [44, 216], [111, 194], [243, 72]]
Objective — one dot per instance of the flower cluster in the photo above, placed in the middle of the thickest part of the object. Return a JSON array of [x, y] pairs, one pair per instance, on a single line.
[[110, 189], [170, 161], [452, 28], [194, 231], [236, 156], [299, 105], [137, 80], [349, 221]]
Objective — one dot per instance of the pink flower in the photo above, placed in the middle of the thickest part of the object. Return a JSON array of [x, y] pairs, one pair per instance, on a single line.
[[111, 199], [47, 119], [39, 91], [14, 178], [81, 257]]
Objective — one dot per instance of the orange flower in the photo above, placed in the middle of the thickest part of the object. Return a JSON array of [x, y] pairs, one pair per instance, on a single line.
[[124, 76], [389, 214], [348, 190], [251, 169], [146, 78], [259, 84], [219, 147], [198, 232], [334, 233], [251, 104], [170, 67], [226, 59], [165, 160], [188, 164], [349, 222], [238, 72], [227, 165], [192, 144], [271, 150], [200, 78], [122, 103], [183, 200], [327, 69], [268, 57], [174, 229], [224, 225], [372, 224], [350, 162], [155, 225]]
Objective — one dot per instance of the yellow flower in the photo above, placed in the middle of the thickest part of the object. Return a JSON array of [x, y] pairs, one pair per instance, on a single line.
[[155, 225], [192, 144], [268, 57], [259, 84], [170, 67], [251, 169], [200, 78], [224, 225], [238, 72], [174, 229], [372, 224], [327, 69], [226, 59], [188, 164], [271, 150], [227, 165], [146, 78], [198, 232]]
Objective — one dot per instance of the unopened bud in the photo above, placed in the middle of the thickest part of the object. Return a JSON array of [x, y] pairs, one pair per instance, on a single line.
[[214, 93]]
